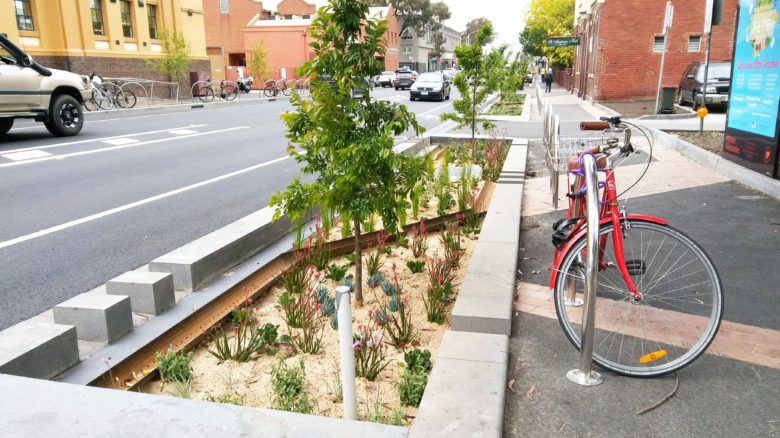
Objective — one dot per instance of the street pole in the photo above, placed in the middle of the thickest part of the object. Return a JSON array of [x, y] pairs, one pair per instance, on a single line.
[[704, 85], [667, 24]]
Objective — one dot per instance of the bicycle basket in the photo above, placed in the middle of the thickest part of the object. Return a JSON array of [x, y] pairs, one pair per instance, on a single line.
[[569, 146]]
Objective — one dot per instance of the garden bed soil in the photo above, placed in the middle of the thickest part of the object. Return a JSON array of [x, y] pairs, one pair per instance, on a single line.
[[639, 108], [709, 140]]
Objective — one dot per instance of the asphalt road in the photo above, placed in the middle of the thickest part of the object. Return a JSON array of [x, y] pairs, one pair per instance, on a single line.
[[76, 212]]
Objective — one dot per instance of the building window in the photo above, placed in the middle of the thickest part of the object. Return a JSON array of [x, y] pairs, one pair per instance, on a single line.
[[658, 44], [96, 11], [127, 18], [151, 10], [694, 43], [406, 34], [224, 7], [306, 16], [288, 17], [24, 19], [407, 49]]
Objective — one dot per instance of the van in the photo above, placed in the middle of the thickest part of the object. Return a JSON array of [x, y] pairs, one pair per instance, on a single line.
[[718, 83]]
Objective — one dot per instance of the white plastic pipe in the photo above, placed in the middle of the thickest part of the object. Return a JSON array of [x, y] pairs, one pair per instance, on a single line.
[[344, 312]]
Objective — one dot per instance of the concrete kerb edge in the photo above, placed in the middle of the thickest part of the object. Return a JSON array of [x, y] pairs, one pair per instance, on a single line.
[[96, 364], [716, 163], [182, 105]]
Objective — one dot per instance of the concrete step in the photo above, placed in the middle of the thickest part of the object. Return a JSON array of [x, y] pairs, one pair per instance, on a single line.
[[149, 292], [97, 317], [37, 349]]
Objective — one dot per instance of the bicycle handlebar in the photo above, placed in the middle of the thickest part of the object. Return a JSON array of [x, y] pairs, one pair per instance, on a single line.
[[594, 126]]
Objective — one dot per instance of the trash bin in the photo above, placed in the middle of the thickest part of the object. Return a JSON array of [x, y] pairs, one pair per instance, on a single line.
[[667, 99]]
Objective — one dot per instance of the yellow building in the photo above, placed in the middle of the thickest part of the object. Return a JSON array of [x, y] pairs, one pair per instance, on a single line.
[[110, 37]]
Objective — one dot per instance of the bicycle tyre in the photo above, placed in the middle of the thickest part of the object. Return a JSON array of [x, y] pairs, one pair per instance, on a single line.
[[271, 91], [125, 99], [286, 90], [90, 104], [206, 95], [228, 91], [675, 324], [103, 101]]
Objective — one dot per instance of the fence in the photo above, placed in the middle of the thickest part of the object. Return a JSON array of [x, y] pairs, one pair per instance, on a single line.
[[148, 92], [563, 78]]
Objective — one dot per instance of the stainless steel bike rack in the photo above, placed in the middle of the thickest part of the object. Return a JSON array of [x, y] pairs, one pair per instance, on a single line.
[[556, 143], [584, 375], [138, 86]]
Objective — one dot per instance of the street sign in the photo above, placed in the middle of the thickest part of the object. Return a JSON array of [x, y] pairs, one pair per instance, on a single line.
[[668, 15], [563, 41]]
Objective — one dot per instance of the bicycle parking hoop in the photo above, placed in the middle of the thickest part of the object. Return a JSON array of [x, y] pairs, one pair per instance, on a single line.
[[584, 375]]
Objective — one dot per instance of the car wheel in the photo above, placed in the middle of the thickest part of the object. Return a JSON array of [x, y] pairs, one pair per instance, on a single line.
[[693, 100], [396, 88], [66, 116], [448, 95], [680, 99], [411, 98], [5, 125]]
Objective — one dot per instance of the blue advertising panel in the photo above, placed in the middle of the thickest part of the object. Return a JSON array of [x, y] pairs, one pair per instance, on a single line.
[[754, 101]]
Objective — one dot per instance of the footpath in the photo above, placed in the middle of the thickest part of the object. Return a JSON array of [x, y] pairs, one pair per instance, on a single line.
[[732, 390]]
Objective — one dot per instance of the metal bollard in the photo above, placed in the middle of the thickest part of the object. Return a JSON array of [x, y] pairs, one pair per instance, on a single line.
[[344, 311], [556, 144], [584, 375]]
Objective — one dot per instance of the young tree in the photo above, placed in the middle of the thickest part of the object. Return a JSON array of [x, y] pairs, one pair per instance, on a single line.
[[347, 144], [472, 27], [175, 58], [258, 64], [552, 17], [476, 80], [440, 13]]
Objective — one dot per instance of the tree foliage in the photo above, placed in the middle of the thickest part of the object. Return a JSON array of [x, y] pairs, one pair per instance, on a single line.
[[347, 144], [480, 75], [472, 27], [258, 62], [175, 59], [549, 17], [440, 13]]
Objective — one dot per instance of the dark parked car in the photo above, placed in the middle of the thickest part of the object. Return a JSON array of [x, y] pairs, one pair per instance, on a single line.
[[357, 92], [431, 85], [718, 83], [404, 78]]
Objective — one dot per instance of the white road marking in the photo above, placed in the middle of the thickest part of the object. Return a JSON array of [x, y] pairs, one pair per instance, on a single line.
[[120, 141], [56, 145], [434, 109], [26, 155], [113, 148], [182, 131], [103, 214]]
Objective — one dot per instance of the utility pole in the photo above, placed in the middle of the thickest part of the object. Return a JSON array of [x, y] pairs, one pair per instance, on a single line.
[[713, 13], [667, 24]]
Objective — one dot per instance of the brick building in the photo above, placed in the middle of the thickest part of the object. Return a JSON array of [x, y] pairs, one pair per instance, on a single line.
[[286, 40], [111, 37], [225, 20], [619, 57], [289, 8]]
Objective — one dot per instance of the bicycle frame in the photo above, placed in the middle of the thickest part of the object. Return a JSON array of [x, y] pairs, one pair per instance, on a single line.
[[608, 213]]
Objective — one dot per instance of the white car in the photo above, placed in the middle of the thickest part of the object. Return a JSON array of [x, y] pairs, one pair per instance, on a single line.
[[387, 78]]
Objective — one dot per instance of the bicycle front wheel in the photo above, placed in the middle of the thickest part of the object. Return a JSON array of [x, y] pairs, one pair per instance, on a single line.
[[271, 91], [229, 92], [677, 317], [103, 100], [125, 99], [206, 95]]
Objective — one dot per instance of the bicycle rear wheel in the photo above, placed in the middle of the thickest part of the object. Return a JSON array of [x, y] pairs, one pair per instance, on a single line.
[[228, 92], [680, 310], [102, 99], [90, 104], [206, 95], [125, 99], [271, 91]]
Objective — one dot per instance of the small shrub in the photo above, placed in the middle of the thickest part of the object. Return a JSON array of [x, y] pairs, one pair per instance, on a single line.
[[347, 281], [419, 240], [411, 387], [346, 223], [415, 266], [391, 289], [415, 195], [369, 350], [418, 361], [334, 321], [375, 280], [329, 306], [322, 293], [401, 240], [399, 327], [392, 305], [336, 273], [299, 309], [350, 258], [288, 385], [173, 366]]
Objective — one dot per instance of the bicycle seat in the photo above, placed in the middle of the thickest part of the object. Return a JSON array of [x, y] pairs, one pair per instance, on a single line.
[[574, 164]]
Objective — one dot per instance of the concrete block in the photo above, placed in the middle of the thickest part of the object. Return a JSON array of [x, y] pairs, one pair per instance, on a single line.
[[199, 262], [149, 292], [471, 368], [38, 349], [101, 318]]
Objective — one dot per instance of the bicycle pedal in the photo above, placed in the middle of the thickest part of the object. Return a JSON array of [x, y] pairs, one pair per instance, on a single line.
[[636, 267]]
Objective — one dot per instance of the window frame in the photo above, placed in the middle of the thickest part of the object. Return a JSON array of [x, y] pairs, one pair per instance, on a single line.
[[656, 41], [149, 8], [698, 43], [130, 24], [31, 17], [102, 17]]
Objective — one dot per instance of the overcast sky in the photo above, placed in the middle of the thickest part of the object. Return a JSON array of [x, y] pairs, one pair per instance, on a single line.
[[507, 16]]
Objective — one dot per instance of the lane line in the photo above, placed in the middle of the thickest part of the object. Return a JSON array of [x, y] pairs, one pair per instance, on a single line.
[[120, 141], [119, 209], [26, 155], [113, 148], [98, 139]]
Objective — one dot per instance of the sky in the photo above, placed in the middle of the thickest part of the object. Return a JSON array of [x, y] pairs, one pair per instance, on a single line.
[[507, 16]]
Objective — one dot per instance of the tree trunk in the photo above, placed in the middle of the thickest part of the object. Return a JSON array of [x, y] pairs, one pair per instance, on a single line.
[[358, 268]]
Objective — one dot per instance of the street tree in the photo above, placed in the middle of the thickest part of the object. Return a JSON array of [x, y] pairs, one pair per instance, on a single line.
[[479, 76], [440, 13], [258, 61], [472, 27], [552, 17], [532, 39], [175, 59], [347, 144]]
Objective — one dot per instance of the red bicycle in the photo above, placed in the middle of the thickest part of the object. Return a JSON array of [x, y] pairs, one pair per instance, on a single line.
[[659, 299]]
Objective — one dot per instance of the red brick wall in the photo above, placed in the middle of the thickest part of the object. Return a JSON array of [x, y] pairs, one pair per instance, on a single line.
[[226, 30], [626, 68], [295, 7]]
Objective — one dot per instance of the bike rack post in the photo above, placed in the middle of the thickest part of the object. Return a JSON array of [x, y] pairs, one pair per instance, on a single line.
[[584, 375], [556, 143], [344, 318]]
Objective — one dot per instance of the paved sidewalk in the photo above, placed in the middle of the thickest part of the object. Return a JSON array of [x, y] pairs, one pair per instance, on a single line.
[[733, 389]]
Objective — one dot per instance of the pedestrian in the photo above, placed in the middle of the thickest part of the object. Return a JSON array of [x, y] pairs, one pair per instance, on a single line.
[[548, 79]]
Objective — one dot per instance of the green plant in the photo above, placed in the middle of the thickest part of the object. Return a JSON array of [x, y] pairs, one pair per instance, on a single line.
[[418, 361], [347, 281], [414, 196], [299, 309], [374, 258], [415, 266], [400, 208], [182, 389], [288, 385], [320, 255], [346, 219], [174, 366], [411, 387], [375, 280], [322, 293], [258, 63], [442, 191], [450, 239], [392, 305], [391, 289], [336, 389], [336, 272], [433, 300], [328, 306], [401, 240], [297, 278], [228, 396], [369, 350], [176, 59], [399, 327], [309, 341], [350, 258], [419, 240], [495, 153], [440, 272], [334, 321]]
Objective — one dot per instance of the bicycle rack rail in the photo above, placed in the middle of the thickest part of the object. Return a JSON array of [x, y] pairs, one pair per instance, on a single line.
[[147, 85], [584, 375]]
